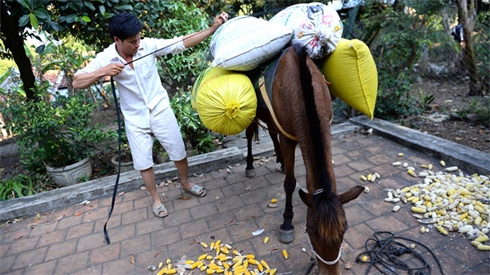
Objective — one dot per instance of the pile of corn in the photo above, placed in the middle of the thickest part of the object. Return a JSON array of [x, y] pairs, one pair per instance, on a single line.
[[226, 261], [448, 200]]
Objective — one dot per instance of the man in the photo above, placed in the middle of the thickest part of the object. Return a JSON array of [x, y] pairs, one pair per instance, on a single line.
[[144, 101]]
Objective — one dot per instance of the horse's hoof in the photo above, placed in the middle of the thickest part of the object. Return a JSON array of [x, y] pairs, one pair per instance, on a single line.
[[286, 236], [250, 173]]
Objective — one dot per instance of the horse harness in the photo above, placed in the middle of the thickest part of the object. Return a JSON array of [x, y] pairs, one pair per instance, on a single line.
[[313, 249]]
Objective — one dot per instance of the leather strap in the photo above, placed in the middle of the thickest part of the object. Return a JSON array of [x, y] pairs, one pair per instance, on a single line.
[[269, 106]]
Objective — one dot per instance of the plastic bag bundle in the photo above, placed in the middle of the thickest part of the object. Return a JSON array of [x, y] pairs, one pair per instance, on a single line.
[[353, 76], [225, 100], [315, 25], [242, 43]]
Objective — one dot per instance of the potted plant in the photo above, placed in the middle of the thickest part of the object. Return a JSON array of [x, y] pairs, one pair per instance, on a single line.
[[55, 134]]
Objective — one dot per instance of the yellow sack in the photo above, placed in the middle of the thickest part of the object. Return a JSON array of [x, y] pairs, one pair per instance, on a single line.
[[353, 76], [225, 100]]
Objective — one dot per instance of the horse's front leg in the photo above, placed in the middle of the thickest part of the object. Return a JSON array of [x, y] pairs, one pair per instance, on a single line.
[[287, 229], [277, 149], [250, 170]]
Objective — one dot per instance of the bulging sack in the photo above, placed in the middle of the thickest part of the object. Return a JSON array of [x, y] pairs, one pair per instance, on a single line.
[[353, 76], [242, 43], [225, 100], [315, 25]]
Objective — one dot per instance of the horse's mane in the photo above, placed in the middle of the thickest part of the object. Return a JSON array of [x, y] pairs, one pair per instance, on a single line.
[[328, 214]]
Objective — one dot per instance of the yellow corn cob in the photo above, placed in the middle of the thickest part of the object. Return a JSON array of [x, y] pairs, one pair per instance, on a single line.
[[418, 210], [236, 252], [273, 271], [202, 257], [264, 263], [423, 166], [225, 250], [211, 246], [160, 265], [482, 239], [430, 166], [245, 264], [253, 261], [209, 257], [260, 267], [219, 270], [247, 272], [364, 258], [194, 265], [171, 271], [415, 199], [169, 261], [161, 272], [203, 268], [226, 265], [443, 163], [266, 239], [210, 271], [239, 263], [483, 247], [273, 200], [250, 256], [204, 245], [285, 254], [479, 209], [400, 154], [218, 249], [442, 230], [201, 264], [189, 262], [478, 220], [239, 271], [411, 173], [369, 177], [363, 178]]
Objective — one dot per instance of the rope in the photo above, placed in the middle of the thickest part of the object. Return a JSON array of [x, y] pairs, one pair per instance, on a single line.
[[384, 255]]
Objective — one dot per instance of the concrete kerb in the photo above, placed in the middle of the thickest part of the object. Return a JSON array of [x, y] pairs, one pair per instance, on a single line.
[[464, 157], [103, 187]]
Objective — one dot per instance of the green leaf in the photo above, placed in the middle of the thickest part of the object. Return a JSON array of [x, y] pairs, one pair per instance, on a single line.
[[24, 3], [40, 49], [23, 20], [102, 9], [56, 27], [70, 18], [34, 22], [86, 18], [125, 7], [41, 13], [89, 5]]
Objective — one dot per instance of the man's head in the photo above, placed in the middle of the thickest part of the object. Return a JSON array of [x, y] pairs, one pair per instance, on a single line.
[[124, 25]]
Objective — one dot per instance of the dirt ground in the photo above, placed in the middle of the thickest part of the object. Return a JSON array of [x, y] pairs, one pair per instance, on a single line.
[[448, 99]]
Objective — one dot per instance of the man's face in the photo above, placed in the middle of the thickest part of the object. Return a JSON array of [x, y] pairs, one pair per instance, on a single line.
[[130, 45]]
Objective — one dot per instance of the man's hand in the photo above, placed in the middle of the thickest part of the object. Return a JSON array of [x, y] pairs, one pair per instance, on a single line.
[[113, 69], [220, 19]]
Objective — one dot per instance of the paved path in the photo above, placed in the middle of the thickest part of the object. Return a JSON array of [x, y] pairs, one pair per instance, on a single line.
[[70, 240]]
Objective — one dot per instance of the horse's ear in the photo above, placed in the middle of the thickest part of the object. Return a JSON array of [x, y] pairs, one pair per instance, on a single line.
[[350, 194], [306, 198]]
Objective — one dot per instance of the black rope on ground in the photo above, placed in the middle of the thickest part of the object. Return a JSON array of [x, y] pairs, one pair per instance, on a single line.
[[384, 252]]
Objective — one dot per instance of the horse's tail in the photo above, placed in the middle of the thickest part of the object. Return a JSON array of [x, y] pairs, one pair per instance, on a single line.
[[315, 104]]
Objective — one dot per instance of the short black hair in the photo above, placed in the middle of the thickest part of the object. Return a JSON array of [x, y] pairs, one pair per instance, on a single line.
[[124, 25]]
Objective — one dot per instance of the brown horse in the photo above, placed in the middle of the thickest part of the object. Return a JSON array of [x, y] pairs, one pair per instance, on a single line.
[[303, 107]]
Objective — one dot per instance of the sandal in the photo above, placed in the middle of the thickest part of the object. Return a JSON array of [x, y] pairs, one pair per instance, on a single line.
[[196, 191], [158, 209]]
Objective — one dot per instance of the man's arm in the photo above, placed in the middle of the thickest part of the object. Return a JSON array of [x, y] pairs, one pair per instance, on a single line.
[[193, 39], [84, 80]]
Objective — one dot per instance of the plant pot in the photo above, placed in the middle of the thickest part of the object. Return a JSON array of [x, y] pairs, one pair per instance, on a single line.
[[125, 166], [68, 175]]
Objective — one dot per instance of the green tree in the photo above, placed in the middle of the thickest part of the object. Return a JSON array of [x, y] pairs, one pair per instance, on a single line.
[[85, 19]]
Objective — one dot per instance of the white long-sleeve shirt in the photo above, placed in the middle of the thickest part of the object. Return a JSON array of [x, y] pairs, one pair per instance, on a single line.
[[140, 90]]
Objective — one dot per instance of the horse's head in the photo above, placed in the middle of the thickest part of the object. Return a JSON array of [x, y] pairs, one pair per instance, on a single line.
[[326, 225]]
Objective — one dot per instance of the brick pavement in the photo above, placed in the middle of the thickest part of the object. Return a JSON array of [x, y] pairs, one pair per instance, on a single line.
[[70, 240]]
